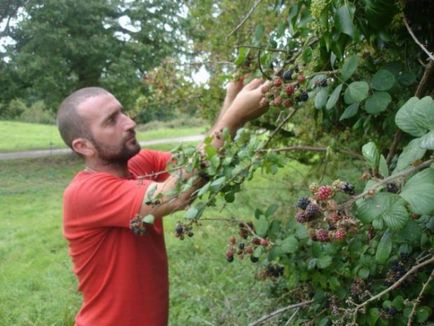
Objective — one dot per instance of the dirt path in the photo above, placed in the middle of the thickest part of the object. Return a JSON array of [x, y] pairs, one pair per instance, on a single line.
[[63, 151]]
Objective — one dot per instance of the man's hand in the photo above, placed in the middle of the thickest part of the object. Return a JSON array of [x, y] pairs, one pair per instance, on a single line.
[[248, 104]]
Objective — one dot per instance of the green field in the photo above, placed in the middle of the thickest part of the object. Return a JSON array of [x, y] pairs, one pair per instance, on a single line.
[[37, 286], [18, 136]]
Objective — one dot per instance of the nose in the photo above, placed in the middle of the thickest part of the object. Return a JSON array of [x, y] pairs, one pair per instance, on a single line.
[[129, 123]]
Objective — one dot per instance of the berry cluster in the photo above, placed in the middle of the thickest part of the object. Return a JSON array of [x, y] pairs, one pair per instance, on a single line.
[[137, 226], [320, 212], [287, 89], [272, 270], [242, 248], [181, 230], [358, 288], [398, 269]]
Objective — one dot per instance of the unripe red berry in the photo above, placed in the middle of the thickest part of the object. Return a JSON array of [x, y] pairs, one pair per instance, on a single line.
[[301, 217], [301, 79], [249, 250], [232, 240], [277, 101], [322, 235], [264, 242], [256, 241], [340, 234], [289, 90], [324, 192], [287, 103], [277, 82]]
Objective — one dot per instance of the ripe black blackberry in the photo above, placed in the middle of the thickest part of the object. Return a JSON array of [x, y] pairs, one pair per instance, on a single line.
[[392, 187], [323, 83], [287, 75], [303, 202], [304, 96], [254, 259], [241, 245], [312, 210], [348, 188]]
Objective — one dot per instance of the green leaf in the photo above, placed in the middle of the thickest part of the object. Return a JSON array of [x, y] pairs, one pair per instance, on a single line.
[[363, 273], [382, 167], [423, 113], [217, 183], [412, 152], [407, 78], [396, 215], [374, 314], [324, 261], [321, 98], [259, 31], [358, 91], [384, 248], [271, 210], [344, 22], [423, 313], [350, 111], [371, 154], [349, 67], [149, 219], [261, 226], [192, 213], [307, 54], [378, 102], [383, 80], [404, 119], [242, 56], [289, 245], [334, 97], [427, 141], [419, 192]]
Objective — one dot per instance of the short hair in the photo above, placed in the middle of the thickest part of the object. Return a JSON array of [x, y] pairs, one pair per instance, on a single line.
[[69, 122]]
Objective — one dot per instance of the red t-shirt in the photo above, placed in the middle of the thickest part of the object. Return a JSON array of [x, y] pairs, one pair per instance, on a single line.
[[123, 277]]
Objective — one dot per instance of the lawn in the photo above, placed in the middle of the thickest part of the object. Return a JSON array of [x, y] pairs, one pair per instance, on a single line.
[[37, 286], [18, 136]]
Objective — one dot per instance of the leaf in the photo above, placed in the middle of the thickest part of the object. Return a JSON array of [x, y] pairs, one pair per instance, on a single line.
[[384, 248], [321, 98], [307, 54], [374, 314], [358, 91], [259, 31], [344, 22], [371, 154], [378, 102], [423, 313], [215, 185], [396, 215], [324, 262], [192, 213], [412, 152], [383, 80], [407, 78], [261, 226], [419, 192], [404, 119], [363, 273], [382, 167], [271, 210], [149, 219], [423, 113], [334, 97], [427, 141], [350, 111], [349, 67], [242, 56], [289, 245]]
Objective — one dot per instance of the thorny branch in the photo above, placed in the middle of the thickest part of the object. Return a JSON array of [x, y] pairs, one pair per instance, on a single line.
[[416, 40], [417, 301], [257, 2], [279, 311]]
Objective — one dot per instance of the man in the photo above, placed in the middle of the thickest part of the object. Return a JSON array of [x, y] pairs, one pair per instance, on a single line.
[[123, 276]]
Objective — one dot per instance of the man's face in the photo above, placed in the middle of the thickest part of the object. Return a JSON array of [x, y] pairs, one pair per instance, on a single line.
[[111, 131]]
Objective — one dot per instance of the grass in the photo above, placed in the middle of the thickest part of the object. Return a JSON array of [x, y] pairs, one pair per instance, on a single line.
[[19, 136], [37, 286]]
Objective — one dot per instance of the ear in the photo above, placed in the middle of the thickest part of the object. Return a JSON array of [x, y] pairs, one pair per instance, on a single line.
[[84, 147]]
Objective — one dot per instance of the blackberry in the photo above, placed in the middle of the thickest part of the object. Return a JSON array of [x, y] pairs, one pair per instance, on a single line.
[[301, 217], [277, 82], [190, 233], [230, 259], [392, 187], [241, 245], [323, 83], [340, 234], [348, 188], [287, 75], [303, 202], [312, 210], [324, 193], [304, 96], [179, 229], [289, 90], [254, 259], [322, 235]]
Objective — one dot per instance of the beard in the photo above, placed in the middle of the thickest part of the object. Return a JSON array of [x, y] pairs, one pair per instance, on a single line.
[[116, 155]]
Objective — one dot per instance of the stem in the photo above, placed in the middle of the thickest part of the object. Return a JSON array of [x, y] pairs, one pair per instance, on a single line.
[[311, 149], [404, 173], [417, 301], [289, 116], [417, 41], [260, 66], [261, 48], [235, 221], [392, 287], [257, 2], [279, 311]]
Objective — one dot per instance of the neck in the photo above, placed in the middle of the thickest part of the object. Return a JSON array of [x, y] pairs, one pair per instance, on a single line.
[[117, 169]]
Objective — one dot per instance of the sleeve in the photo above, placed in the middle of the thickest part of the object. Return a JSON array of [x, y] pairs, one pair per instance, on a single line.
[[149, 162], [104, 200]]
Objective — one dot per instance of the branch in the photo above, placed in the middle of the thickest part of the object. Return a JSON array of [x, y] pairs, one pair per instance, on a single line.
[[261, 48], [260, 66], [393, 286], [235, 221], [416, 40], [289, 116], [279, 311], [245, 17], [311, 149], [413, 310], [401, 174]]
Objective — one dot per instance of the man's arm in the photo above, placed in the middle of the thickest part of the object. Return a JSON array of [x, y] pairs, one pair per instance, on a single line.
[[245, 106]]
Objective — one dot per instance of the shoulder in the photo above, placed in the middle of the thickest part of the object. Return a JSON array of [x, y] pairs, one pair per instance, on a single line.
[[149, 161]]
